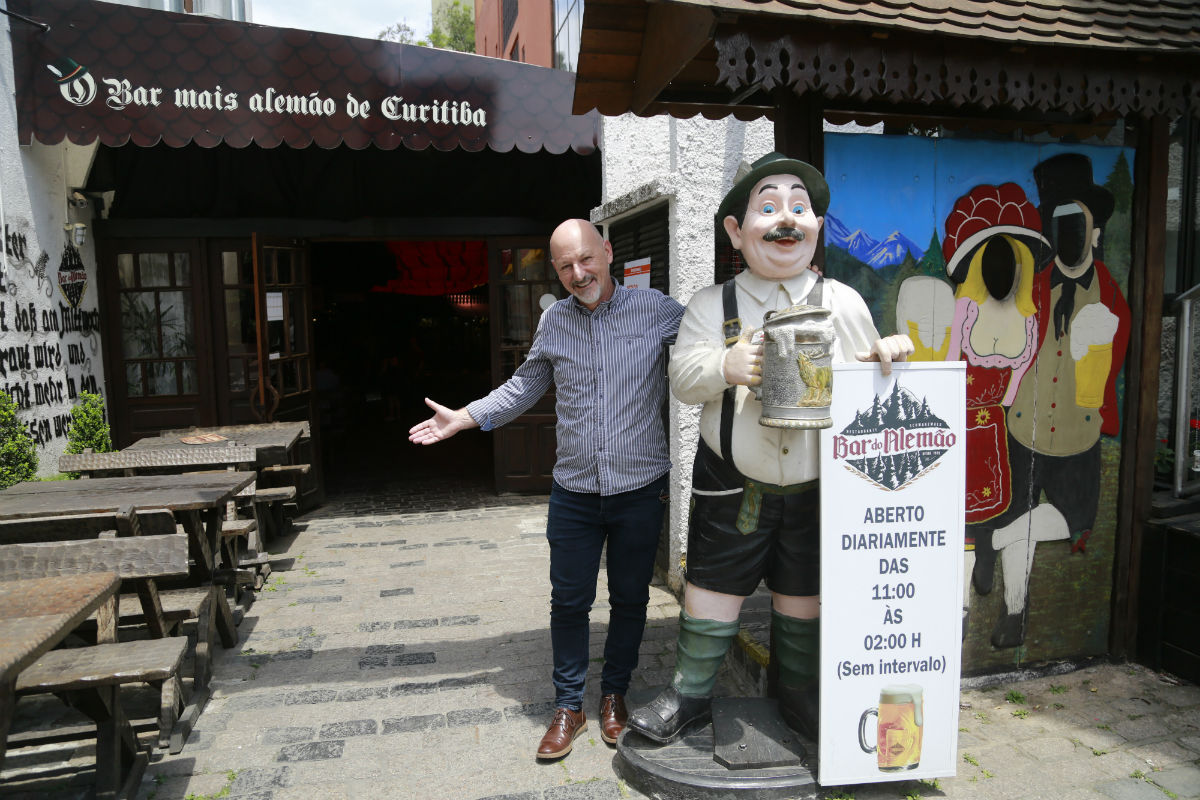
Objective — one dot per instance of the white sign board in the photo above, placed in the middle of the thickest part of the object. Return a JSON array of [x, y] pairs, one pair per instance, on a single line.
[[893, 485], [637, 274], [274, 306]]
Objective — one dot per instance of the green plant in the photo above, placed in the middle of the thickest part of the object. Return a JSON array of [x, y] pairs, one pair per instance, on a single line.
[[18, 453], [1057, 689], [1014, 696], [970, 759], [89, 429], [1021, 713], [1164, 459]]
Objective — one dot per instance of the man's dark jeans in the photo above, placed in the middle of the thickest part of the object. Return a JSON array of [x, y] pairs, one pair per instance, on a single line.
[[577, 527]]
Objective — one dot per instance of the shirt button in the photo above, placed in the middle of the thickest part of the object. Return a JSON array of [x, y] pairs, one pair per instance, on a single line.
[[785, 451], [1054, 380]]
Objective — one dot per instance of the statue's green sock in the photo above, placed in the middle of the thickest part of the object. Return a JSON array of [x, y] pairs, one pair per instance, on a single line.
[[798, 648], [702, 647]]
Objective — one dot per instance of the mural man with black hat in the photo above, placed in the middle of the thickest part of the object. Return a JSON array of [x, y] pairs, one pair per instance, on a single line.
[[1069, 397], [755, 511]]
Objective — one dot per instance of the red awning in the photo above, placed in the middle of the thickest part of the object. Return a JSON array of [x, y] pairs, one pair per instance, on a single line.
[[122, 75]]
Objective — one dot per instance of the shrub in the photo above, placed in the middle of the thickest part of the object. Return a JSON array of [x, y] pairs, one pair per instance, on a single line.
[[18, 454], [88, 426]]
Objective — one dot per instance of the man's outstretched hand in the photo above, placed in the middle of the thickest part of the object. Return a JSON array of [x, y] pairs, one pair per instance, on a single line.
[[443, 424], [888, 349]]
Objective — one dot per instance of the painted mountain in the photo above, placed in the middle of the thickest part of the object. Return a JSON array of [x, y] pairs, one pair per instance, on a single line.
[[876, 254], [901, 409]]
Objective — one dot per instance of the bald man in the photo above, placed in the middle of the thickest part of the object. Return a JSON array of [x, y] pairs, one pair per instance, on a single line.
[[604, 348]]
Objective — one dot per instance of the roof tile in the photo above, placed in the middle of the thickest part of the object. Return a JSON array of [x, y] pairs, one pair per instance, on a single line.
[[1148, 25]]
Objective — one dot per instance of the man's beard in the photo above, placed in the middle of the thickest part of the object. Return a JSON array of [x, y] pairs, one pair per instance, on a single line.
[[587, 294]]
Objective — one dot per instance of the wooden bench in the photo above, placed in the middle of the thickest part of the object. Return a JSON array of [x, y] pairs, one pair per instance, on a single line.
[[74, 670], [148, 462]]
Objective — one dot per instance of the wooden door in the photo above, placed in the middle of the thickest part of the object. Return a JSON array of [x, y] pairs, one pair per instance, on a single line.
[[235, 329], [159, 351], [522, 284], [283, 368]]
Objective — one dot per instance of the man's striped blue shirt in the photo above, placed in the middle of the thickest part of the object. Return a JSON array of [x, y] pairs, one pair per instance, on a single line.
[[609, 369]]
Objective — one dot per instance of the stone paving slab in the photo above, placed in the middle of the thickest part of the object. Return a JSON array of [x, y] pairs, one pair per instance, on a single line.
[[396, 653]]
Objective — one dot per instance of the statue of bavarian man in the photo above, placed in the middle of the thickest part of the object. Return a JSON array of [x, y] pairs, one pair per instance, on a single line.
[[756, 510]]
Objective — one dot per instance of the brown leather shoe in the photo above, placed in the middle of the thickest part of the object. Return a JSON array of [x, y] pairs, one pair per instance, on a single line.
[[561, 734], [613, 717]]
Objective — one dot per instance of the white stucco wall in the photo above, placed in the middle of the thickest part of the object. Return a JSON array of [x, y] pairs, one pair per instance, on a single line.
[[689, 164], [45, 359]]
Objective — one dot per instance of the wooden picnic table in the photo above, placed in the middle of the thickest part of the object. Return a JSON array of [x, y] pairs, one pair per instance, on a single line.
[[272, 441], [35, 615], [188, 492], [197, 499]]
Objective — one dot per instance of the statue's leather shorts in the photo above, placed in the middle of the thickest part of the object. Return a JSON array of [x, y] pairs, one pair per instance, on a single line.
[[742, 531]]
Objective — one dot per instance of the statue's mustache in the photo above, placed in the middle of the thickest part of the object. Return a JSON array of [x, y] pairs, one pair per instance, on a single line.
[[783, 233]]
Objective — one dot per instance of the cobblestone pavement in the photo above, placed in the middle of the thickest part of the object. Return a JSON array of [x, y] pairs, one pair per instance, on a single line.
[[400, 650]]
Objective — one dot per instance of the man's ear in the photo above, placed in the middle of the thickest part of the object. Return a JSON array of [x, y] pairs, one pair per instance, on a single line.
[[608, 253], [820, 223], [734, 230], [1095, 237]]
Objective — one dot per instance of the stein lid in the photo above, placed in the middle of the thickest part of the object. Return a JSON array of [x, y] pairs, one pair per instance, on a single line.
[[795, 314]]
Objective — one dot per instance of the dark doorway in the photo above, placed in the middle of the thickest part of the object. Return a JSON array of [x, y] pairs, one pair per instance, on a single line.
[[387, 336]]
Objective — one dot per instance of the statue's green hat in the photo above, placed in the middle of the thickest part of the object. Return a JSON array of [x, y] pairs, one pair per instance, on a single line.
[[773, 164]]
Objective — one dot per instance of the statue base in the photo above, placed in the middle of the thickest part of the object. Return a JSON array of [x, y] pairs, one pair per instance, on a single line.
[[747, 751]]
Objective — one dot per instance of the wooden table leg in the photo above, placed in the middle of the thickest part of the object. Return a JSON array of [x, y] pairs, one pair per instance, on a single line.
[[8, 706], [198, 545], [116, 746]]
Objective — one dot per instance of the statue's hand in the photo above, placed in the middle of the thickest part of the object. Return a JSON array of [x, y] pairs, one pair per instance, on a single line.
[[897, 347], [743, 361]]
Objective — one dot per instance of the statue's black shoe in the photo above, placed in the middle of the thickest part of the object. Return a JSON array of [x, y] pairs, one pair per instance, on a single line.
[[666, 716], [800, 709]]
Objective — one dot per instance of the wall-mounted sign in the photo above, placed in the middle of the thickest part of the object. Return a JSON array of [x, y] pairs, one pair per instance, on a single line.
[[637, 274], [274, 306], [122, 74], [893, 486]]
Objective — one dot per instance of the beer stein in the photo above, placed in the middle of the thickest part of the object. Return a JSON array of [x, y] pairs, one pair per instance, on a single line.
[[797, 381], [898, 728]]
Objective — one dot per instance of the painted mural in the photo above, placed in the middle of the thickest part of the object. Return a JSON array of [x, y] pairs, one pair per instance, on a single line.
[[1014, 258]]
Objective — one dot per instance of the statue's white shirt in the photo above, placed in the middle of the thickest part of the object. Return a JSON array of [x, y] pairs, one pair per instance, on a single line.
[[773, 455]]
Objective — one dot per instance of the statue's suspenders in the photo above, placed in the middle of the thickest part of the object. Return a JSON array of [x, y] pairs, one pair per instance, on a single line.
[[732, 328]]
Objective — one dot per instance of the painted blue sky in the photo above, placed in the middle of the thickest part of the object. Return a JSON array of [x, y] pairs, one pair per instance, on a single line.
[[880, 184]]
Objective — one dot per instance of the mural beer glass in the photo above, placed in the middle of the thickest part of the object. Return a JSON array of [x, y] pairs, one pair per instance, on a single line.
[[797, 383], [1091, 375], [898, 728]]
